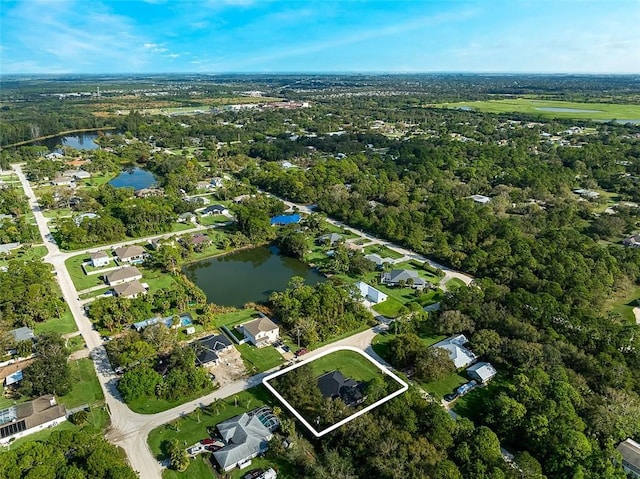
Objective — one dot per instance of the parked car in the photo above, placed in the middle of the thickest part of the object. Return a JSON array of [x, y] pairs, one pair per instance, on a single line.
[[450, 397], [286, 348], [301, 351]]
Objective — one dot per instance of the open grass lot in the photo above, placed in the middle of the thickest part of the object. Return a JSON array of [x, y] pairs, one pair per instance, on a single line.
[[86, 388], [193, 427], [58, 213], [349, 363], [390, 307], [213, 219], [454, 283], [25, 254], [236, 317], [623, 304], [80, 280], [181, 227], [606, 111], [63, 325], [154, 405], [445, 385], [382, 251], [259, 359]]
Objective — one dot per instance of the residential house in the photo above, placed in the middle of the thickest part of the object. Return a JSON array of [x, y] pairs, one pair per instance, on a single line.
[[406, 277], [80, 218], [149, 192], [245, 437], [241, 198], [482, 372], [217, 181], [351, 245], [62, 181], [334, 385], [370, 293], [480, 199], [461, 356], [208, 349], [630, 452], [199, 241], [632, 241], [131, 254], [261, 331], [123, 275], [215, 210], [22, 334], [99, 259], [588, 194], [9, 247], [131, 289], [187, 218], [378, 260], [169, 321], [205, 185], [23, 419], [77, 174], [328, 239], [13, 378]]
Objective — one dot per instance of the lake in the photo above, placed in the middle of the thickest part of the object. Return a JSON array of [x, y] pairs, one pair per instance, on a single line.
[[135, 178], [247, 275], [79, 141]]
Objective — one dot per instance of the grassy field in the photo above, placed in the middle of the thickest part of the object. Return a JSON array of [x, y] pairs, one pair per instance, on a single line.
[[63, 325], [454, 283], [154, 405], [26, 254], [349, 363], [390, 307], [382, 251], [624, 304], [605, 111], [259, 359], [445, 385], [80, 280], [86, 388], [381, 342], [236, 317], [213, 219]]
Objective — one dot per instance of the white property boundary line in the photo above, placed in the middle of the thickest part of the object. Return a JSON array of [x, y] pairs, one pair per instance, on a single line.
[[404, 387]]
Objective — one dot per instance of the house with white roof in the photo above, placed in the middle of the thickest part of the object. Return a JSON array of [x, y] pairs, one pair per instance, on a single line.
[[461, 356], [370, 293], [630, 452], [261, 331], [99, 259], [482, 372]]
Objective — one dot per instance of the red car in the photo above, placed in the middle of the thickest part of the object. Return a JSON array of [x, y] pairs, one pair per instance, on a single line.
[[301, 351]]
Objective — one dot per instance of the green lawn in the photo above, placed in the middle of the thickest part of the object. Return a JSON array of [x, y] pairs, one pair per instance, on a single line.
[[349, 363], [445, 385], [236, 317], [259, 359], [213, 219], [58, 213], [63, 325], [154, 405], [181, 226], [86, 388], [75, 343], [156, 279], [624, 304], [606, 111], [80, 280], [381, 342], [454, 283], [26, 254], [200, 467], [390, 307], [193, 427], [382, 251]]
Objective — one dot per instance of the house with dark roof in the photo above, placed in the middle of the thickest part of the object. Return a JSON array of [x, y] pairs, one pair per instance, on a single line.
[[23, 419], [630, 452], [632, 241], [399, 277], [123, 275], [215, 210], [131, 289], [245, 437], [261, 331], [334, 385], [208, 349]]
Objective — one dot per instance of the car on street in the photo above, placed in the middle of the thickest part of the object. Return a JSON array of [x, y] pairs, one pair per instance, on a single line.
[[301, 351]]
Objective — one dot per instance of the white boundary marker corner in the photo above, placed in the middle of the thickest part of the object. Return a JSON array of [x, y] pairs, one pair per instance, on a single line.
[[403, 388]]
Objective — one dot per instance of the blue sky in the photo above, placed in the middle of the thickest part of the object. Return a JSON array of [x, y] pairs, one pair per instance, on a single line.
[[146, 36]]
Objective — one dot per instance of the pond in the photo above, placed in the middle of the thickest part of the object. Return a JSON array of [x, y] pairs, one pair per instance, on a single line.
[[135, 178], [79, 141], [247, 275]]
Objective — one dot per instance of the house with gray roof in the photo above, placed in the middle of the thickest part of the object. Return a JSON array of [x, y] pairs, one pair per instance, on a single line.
[[245, 437], [23, 419], [22, 334], [261, 331], [131, 289], [208, 349], [482, 372], [461, 356], [407, 277], [123, 275], [630, 452], [328, 239], [378, 260]]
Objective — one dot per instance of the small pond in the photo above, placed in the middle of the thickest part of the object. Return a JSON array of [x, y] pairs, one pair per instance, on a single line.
[[135, 178], [247, 275], [79, 141]]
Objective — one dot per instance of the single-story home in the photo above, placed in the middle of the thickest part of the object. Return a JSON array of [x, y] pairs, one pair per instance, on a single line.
[[589, 194], [407, 277], [205, 185], [245, 437], [370, 293], [630, 452], [633, 241], [482, 372], [461, 356], [241, 198], [209, 348], [261, 331], [77, 174], [169, 321], [80, 218], [378, 260], [217, 181], [22, 334], [132, 289], [29, 417], [62, 181], [99, 259], [123, 275], [197, 239], [334, 385], [131, 254], [328, 239], [215, 210], [187, 218]]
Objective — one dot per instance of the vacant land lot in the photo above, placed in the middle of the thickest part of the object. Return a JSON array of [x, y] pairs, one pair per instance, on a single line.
[[553, 108], [350, 364]]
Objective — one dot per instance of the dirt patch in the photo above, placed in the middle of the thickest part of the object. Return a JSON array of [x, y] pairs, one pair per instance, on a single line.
[[230, 367]]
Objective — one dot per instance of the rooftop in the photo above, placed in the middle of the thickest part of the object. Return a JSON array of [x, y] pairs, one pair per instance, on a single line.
[[259, 325]]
